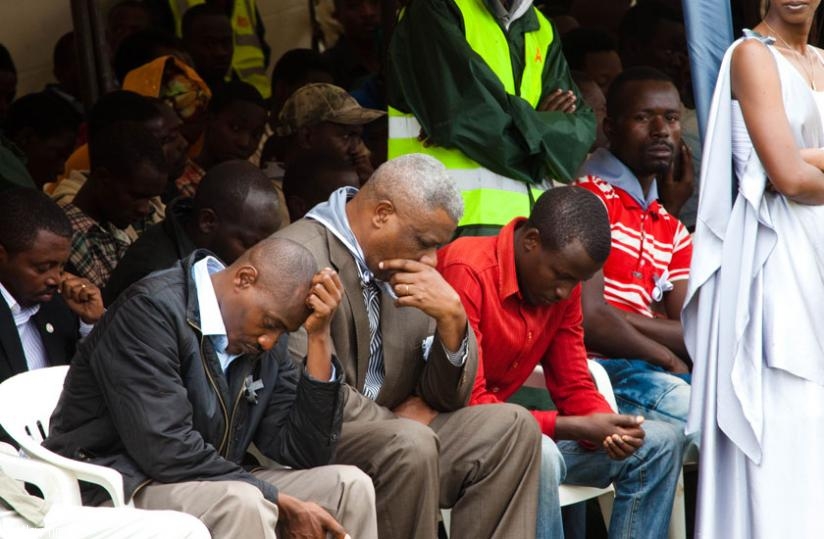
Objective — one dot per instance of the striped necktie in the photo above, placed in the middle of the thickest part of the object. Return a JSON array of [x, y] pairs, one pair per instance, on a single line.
[[375, 370]]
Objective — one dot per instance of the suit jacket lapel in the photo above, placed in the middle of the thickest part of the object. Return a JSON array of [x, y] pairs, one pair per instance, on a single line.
[[54, 341], [15, 359], [354, 307]]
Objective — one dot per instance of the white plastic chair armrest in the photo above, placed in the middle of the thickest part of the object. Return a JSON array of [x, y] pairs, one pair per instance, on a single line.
[[56, 485], [602, 383], [110, 480]]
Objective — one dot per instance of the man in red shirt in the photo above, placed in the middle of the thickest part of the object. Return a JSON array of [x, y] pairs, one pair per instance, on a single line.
[[632, 308], [522, 295]]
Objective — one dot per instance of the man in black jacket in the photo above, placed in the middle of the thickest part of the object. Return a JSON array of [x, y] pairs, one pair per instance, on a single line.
[[44, 312], [235, 207], [190, 366]]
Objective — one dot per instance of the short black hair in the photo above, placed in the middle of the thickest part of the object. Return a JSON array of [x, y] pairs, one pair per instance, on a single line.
[[234, 91], [121, 106], [563, 215], [194, 13], [6, 63], [127, 3], [64, 52], [579, 42], [642, 19], [632, 74], [226, 186], [24, 213], [121, 148], [140, 48], [295, 64], [46, 114]]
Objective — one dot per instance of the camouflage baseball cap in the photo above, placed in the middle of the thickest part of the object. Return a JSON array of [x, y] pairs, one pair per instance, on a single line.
[[321, 102]]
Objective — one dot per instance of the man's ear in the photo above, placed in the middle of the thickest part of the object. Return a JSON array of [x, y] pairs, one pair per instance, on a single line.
[[207, 221], [384, 210], [303, 136], [245, 276], [4, 254], [25, 137], [609, 127], [531, 240]]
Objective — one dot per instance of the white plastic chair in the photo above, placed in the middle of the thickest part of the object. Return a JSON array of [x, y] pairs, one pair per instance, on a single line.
[[56, 485], [573, 494], [26, 404]]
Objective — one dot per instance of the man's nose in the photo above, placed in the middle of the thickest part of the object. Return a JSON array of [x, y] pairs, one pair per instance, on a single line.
[[659, 126]]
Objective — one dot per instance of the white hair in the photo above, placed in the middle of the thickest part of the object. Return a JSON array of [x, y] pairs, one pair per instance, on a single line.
[[422, 180]]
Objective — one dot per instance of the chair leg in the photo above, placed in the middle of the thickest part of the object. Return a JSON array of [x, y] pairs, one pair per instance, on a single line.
[[678, 520], [605, 502]]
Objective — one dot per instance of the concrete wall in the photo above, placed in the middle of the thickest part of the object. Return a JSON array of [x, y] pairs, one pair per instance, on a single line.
[[30, 28]]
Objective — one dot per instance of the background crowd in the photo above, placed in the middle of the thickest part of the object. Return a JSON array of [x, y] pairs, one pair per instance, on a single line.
[[321, 199]]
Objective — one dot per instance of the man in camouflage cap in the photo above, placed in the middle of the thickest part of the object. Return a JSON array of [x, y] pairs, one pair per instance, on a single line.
[[324, 118]]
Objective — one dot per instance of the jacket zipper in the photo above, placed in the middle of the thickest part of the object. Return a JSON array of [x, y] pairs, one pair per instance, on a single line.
[[234, 411], [217, 392]]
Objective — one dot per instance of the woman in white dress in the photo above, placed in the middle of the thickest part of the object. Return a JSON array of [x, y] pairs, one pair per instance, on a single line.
[[754, 316]]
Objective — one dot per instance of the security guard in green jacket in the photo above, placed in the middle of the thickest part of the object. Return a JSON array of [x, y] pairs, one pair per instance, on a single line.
[[485, 89]]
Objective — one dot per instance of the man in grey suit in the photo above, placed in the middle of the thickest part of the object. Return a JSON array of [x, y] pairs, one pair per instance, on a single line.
[[410, 359]]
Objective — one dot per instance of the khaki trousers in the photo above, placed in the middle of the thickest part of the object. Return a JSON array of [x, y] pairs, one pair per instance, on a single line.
[[482, 461], [235, 509]]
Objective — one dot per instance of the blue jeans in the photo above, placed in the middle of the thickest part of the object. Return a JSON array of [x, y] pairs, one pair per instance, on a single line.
[[644, 482], [642, 388]]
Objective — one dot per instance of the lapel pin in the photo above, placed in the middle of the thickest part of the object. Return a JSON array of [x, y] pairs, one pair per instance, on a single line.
[[49, 328]]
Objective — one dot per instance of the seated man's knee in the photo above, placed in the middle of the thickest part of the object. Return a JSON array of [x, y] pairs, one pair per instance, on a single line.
[[525, 424], [512, 418], [238, 495], [412, 444], [663, 441], [357, 483]]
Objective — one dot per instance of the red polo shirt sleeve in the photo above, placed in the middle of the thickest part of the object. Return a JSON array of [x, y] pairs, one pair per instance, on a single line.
[[565, 369]]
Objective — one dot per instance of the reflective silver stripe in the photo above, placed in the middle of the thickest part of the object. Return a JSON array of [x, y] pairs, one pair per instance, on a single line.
[[247, 71], [247, 40], [467, 179], [403, 127], [481, 178]]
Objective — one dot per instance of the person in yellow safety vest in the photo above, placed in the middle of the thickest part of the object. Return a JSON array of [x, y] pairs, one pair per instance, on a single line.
[[482, 85], [247, 47]]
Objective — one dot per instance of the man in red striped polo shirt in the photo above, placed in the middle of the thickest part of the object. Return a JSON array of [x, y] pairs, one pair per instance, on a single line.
[[632, 308]]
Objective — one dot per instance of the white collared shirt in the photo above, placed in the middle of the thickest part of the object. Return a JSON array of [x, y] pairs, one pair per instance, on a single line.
[[211, 320]]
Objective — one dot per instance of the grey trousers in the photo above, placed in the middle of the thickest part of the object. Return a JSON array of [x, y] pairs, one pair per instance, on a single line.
[[482, 461], [234, 509]]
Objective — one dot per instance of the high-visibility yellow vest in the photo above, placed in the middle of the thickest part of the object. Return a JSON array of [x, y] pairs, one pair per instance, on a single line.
[[489, 198], [247, 59]]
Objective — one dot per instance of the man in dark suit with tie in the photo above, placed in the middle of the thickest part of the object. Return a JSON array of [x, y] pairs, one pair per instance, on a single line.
[[44, 312]]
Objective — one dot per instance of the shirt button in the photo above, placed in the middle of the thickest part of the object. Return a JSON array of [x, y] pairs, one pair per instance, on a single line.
[[529, 336], [514, 364], [495, 389]]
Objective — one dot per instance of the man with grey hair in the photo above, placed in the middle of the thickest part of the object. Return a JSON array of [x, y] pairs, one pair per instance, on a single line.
[[409, 361]]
